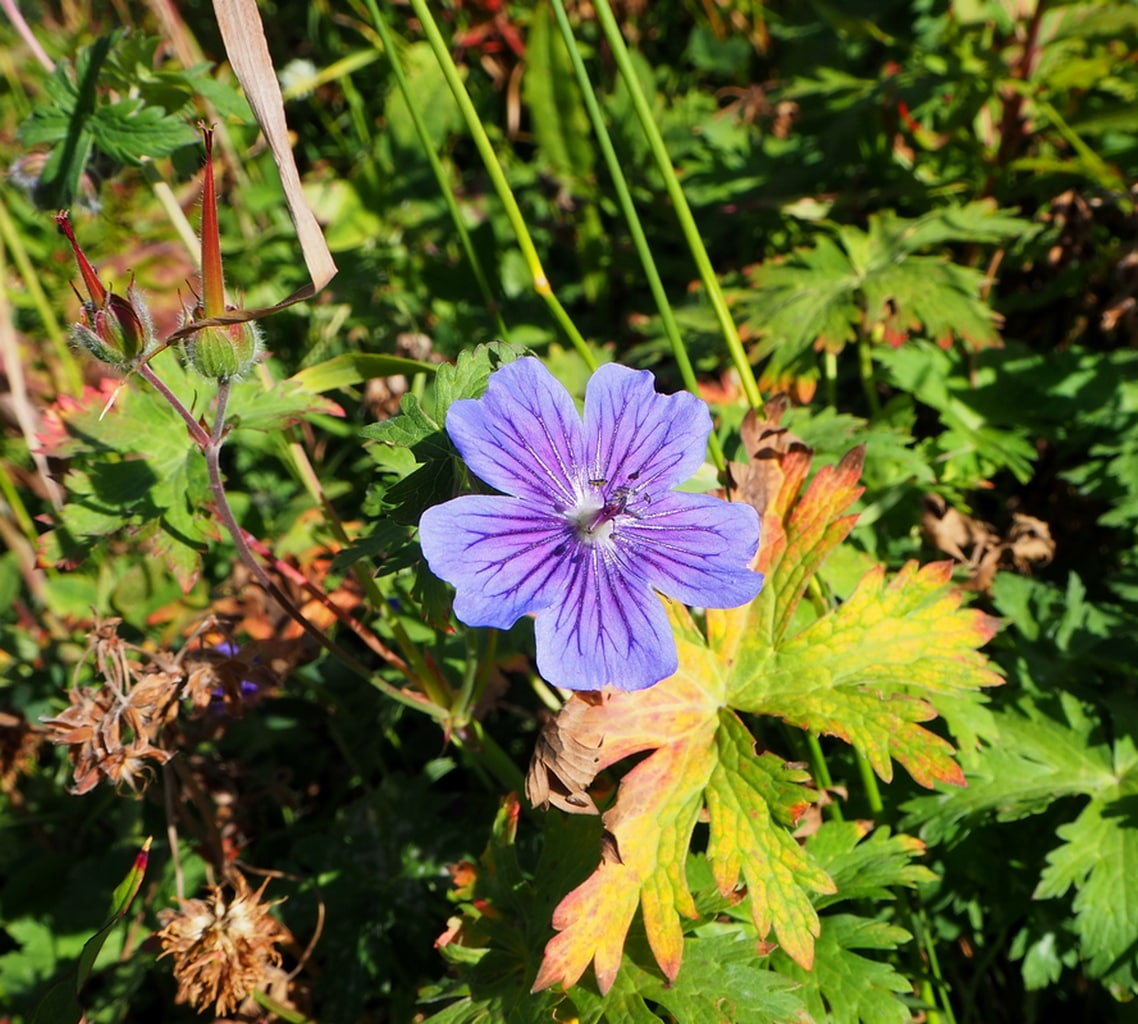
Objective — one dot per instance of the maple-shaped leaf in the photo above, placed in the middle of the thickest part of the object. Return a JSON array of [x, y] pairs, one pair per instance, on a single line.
[[80, 114], [745, 990], [863, 671], [875, 284], [1039, 759], [650, 825], [846, 987]]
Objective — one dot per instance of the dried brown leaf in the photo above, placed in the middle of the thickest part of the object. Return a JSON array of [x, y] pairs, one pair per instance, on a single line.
[[767, 443], [563, 767]]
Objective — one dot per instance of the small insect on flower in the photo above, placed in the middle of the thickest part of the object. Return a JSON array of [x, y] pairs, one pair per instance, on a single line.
[[587, 530]]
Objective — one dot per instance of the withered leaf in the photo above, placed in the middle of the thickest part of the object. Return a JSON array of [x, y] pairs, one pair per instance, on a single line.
[[563, 767], [978, 546], [1029, 540], [766, 442]]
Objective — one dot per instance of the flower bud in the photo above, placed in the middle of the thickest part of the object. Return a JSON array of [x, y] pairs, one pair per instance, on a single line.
[[116, 330], [224, 353]]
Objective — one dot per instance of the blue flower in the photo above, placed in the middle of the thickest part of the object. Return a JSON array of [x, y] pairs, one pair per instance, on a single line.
[[587, 528]]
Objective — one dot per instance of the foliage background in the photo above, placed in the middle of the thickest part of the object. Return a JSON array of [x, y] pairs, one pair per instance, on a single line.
[[921, 216]]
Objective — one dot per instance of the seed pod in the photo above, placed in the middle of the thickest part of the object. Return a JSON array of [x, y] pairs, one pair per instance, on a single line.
[[225, 353]]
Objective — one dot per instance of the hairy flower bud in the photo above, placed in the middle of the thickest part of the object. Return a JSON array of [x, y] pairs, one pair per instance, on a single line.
[[116, 329], [224, 353], [120, 333]]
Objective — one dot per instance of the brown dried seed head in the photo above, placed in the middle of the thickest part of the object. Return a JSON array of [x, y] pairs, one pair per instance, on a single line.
[[222, 950]]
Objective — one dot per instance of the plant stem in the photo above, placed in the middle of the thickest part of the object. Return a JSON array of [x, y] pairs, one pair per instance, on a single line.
[[830, 374], [868, 383], [485, 147], [632, 219], [437, 168], [821, 772], [211, 445], [197, 432], [869, 782], [679, 201], [425, 675]]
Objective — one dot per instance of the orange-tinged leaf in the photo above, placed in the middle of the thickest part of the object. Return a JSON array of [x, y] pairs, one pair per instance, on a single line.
[[867, 671], [650, 825], [860, 671], [744, 796], [657, 807], [796, 538]]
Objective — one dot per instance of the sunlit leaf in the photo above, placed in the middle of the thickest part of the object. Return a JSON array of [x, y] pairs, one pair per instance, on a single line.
[[864, 671]]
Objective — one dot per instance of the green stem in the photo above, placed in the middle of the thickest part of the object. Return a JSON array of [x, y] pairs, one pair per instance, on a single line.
[[628, 209], [437, 168], [683, 212], [935, 992], [830, 375], [494, 758], [869, 783], [433, 685], [821, 772], [868, 380], [485, 147]]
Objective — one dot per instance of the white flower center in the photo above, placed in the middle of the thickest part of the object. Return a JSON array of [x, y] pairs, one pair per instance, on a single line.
[[594, 516]]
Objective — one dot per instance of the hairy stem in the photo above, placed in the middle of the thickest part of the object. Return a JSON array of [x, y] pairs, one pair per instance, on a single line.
[[212, 452]]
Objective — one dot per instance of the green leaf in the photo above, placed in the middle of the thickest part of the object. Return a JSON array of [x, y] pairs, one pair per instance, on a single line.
[[354, 368], [406, 430], [744, 990], [550, 90], [979, 440], [81, 115], [433, 100], [1037, 760], [61, 1003], [129, 131], [845, 987], [872, 284], [255, 407], [467, 377], [1100, 847], [866, 867]]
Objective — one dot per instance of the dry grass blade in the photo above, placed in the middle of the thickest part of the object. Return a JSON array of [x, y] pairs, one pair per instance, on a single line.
[[244, 39]]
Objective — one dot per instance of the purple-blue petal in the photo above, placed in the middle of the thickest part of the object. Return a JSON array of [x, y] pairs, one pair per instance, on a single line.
[[609, 629], [523, 436], [504, 559], [636, 437], [695, 548]]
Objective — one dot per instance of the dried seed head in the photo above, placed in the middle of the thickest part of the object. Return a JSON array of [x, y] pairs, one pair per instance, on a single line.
[[109, 738], [115, 731], [222, 950]]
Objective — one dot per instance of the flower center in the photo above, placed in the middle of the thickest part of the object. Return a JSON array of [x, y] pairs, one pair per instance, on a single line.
[[595, 524]]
